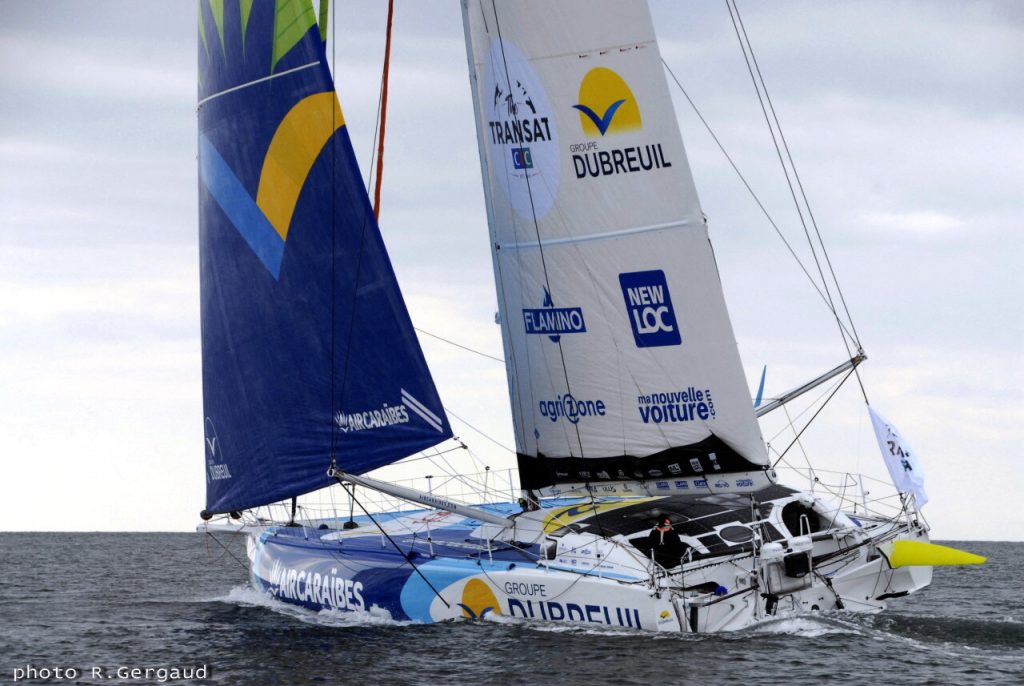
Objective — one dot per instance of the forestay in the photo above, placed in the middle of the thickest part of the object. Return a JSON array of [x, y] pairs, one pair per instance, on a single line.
[[621, 358], [309, 355]]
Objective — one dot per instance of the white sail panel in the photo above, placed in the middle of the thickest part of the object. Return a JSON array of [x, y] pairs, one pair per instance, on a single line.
[[615, 326]]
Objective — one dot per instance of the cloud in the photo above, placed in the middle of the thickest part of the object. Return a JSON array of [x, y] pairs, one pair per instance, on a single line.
[[904, 119], [925, 224]]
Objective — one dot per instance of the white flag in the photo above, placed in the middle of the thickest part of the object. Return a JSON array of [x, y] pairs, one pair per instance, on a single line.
[[902, 462]]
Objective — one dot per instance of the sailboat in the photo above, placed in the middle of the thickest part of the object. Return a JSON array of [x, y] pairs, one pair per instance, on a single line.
[[648, 500]]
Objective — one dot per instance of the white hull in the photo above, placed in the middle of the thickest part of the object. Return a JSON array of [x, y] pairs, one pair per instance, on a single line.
[[561, 575]]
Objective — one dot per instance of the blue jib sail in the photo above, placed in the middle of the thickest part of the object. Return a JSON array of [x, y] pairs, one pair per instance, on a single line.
[[309, 354]]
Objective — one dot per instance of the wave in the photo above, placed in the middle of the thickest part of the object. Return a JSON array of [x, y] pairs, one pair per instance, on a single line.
[[970, 633], [926, 633], [807, 626]]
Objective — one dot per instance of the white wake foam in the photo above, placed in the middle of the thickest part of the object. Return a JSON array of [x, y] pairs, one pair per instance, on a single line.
[[247, 596], [806, 627]]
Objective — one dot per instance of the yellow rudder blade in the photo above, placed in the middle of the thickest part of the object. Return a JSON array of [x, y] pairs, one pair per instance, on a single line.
[[920, 553]]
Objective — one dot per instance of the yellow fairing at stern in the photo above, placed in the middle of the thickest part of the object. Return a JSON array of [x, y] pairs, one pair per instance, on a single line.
[[920, 553]]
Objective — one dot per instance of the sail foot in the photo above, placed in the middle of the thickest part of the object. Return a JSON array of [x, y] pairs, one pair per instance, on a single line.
[[707, 465]]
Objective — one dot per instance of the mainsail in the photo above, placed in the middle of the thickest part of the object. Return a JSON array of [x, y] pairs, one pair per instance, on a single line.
[[309, 355], [621, 358]]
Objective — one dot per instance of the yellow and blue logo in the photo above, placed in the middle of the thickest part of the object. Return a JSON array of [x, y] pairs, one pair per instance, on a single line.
[[229, 68], [478, 599], [606, 104], [264, 222]]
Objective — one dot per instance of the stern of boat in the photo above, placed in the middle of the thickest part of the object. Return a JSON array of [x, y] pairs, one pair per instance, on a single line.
[[867, 582]]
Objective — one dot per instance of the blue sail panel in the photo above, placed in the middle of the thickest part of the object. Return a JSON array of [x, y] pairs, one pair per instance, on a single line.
[[309, 355]]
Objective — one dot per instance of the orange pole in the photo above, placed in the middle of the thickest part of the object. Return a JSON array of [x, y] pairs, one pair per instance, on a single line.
[[383, 113]]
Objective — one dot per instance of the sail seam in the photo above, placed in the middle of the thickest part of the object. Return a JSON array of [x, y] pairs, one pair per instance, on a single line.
[[587, 52], [571, 240], [240, 86]]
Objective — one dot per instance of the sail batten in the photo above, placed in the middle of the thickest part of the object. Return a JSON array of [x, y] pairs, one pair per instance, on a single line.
[[310, 360], [254, 82], [583, 238], [622, 359]]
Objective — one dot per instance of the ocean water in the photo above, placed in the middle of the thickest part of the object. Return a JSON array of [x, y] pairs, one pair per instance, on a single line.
[[104, 604]]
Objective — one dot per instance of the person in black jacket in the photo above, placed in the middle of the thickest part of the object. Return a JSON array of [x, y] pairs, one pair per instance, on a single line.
[[665, 543]]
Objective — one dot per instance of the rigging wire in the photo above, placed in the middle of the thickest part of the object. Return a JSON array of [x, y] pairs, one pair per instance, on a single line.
[[378, 149], [408, 558], [458, 345], [227, 550], [800, 445], [373, 148], [512, 363], [753, 66], [813, 417], [492, 440], [762, 95], [419, 458], [543, 263], [796, 177], [361, 250], [377, 122], [750, 190], [334, 239], [462, 478], [807, 409]]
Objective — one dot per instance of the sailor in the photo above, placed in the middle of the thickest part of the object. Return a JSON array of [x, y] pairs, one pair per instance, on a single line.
[[529, 502], [665, 543]]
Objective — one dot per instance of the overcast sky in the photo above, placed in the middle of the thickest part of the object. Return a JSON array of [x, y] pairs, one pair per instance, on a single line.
[[906, 120]]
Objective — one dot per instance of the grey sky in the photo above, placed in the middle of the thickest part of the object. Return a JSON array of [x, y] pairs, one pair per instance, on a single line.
[[906, 121]]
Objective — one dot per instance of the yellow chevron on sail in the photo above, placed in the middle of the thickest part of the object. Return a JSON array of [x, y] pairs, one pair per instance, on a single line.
[[564, 516], [299, 138], [921, 553]]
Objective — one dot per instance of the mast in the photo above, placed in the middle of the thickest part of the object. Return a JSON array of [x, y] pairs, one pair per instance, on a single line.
[[378, 181]]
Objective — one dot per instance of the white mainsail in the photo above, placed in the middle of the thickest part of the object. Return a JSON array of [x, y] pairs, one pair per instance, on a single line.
[[618, 341]]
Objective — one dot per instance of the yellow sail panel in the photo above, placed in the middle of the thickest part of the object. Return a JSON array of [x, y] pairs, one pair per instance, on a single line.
[[920, 553], [297, 142]]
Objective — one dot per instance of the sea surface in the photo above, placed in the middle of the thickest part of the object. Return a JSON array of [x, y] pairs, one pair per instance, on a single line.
[[103, 604]]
